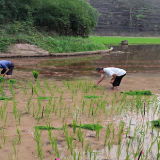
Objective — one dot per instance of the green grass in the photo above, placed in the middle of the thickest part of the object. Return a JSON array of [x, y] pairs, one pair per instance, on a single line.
[[131, 40], [52, 43], [138, 93]]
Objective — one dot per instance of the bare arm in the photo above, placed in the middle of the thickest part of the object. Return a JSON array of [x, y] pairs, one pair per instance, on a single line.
[[113, 79], [100, 80], [5, 72]]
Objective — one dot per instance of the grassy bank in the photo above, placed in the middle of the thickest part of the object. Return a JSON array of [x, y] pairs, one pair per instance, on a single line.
[[131, 40], [53, 44]]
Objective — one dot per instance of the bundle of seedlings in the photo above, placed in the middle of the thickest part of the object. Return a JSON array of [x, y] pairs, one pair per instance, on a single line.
[[156, 123], [46, 128], [35, 74], [12, 81], [91, 97], [4, 98], [87, 126], [147, 92]]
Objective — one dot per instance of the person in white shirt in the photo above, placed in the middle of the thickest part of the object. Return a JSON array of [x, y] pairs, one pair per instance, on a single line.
[[116, 73]]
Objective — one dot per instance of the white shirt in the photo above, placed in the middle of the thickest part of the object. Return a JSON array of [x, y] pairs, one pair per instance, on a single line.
[[111, 70]]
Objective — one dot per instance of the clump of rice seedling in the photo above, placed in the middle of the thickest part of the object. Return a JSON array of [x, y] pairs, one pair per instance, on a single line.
[[88, 126], [12, 81], [35, 74], [4, 98], [156, 123], [43, 98], [91, 97], [147, 92], [46, 128]]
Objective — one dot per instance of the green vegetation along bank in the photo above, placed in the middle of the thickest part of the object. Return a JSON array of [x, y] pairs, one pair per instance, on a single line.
[[131, 40]]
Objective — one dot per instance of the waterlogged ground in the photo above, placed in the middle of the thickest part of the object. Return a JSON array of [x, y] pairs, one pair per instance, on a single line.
[[126, 130]]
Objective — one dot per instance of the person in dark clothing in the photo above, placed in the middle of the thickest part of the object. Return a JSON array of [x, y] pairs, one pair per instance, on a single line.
[[7, 68]]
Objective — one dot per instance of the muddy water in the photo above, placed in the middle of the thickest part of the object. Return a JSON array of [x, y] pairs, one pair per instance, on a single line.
[[134, 59]]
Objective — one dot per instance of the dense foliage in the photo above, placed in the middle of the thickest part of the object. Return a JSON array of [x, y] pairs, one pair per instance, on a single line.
[[65, 17]]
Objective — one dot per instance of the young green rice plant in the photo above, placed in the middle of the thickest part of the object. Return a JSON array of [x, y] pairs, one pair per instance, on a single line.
[[80, 135], [86, 148], [64, 128], [4, 134], [24, 88], [60, 98], [90, 153], [98, 128], [35, 90], [37, 135], [2, 90], [15, 108], [83, 104], [34, 111], [19, 116], [110, 144], [108, 132], [35, 74], [55, 147], [29, 104], [5, 119], [69, 139], [74, 126], [119, 150], [14, 142], [19, 135], [129, 127]]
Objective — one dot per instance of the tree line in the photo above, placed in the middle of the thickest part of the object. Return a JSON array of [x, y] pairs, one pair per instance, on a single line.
[[65, 17]]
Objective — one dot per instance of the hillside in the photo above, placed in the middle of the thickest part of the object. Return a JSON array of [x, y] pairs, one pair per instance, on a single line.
[[127, 17]]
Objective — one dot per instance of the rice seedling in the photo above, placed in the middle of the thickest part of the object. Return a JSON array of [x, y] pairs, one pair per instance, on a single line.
[[74, 126], [19, 114], [138, 92], [80, 135], [37, 135], [108, 132], [19, 135], [12, 81], [69, 139], [98, 128], [24, 88], [4, 134], [14, 142], [35, 74], [55, 147], [90, 153], [29, 104], [86, 148], [83, 103]]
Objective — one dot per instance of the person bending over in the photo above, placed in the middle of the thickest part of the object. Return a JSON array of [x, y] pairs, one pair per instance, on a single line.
[[116, 73], [7, 68]]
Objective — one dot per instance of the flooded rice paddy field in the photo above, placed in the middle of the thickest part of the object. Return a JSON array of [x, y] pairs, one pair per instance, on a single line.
[[63, 85]]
